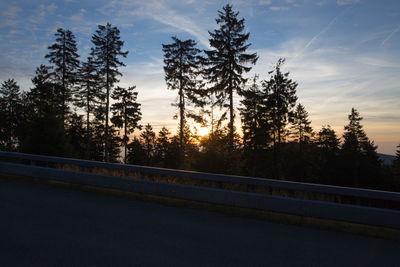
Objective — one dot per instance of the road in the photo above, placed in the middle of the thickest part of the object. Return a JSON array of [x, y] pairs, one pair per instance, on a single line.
[[47, 225]]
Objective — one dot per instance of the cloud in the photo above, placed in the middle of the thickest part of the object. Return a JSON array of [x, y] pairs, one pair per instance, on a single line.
[[347, 2], [12, 11], [390, 36], [265, 2], [279, 8]]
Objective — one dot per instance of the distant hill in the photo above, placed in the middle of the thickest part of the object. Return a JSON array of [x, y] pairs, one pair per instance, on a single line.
[[386, 159]]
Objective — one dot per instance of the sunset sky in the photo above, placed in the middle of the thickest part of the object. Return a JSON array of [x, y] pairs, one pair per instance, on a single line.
[[343, 53]]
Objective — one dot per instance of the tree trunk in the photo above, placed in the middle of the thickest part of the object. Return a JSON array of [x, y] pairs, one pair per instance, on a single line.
[[107, 108]]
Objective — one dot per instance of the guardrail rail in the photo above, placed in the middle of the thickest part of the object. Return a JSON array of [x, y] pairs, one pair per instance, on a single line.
[[50, 168]]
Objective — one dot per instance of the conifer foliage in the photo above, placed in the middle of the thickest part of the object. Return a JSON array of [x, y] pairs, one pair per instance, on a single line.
[[64, 57], [227, 59], [126, 113], [10, 106], [182, 66], [106, 52]]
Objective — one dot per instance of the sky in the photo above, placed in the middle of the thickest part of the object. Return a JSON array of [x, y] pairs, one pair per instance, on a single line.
[[342, 53]]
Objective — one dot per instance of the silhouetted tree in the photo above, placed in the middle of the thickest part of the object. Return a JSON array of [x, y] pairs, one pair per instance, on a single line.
[[163, 146], [126, 113], [182, 68], [396, 166], [10, 112], [107, 49], [255, 127], [226, 61], [149, 137], [280, 99], [137, 152], [328, 140], [43, 128], [75, 135], [89, 95], [359, 153], [301, 126], [63, 55]]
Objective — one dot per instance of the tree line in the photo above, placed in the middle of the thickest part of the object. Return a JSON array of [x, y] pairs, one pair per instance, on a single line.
[[68, 112]]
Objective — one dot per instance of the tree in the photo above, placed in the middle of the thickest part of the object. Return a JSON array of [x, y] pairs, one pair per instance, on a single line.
[[89, 96], [301, 126], [254, 125], [126, 113], [359, 153], [396, 163], [327, 139], [280, 99], [181, 71], [163, 146], [149, 137], [63, 54], [108, 47], [10, 112], [43, 127], [226, 60]]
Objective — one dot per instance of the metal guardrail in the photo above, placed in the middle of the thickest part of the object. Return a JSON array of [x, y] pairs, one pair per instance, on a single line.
[[302, 207]]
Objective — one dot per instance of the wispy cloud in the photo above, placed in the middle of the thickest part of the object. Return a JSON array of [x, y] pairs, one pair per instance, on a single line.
[[12, 11], [390, 36], [279, 8], [347, 2], [265, 2]]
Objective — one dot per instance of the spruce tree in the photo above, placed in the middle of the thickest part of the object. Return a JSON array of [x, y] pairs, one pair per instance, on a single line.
[[301, 126], [126, 113], [226, 61], [106, 52], [359, 152], [280, 99], [163, 146], [64, 57], [89, 95], [327, 139], [10, 109], [149, 137], [182, 65]]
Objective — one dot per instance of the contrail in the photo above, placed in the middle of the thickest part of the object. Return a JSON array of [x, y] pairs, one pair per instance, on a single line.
[[324, 30], [390, 36]]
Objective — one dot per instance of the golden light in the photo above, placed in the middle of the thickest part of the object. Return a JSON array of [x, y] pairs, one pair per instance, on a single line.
[[200, 131]]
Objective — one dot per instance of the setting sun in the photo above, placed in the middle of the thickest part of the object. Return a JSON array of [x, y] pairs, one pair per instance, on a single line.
[[200, 131]]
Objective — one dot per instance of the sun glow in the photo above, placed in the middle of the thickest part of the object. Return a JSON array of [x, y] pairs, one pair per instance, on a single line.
[[200, 131]]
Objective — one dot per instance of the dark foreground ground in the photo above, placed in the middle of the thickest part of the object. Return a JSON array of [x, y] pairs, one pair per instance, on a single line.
[[46, 225]]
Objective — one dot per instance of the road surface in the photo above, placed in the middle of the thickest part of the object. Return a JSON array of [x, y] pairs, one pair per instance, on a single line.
[[47, 225]]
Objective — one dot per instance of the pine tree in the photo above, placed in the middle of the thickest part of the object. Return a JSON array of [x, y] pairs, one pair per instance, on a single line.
[[280, 96], [359, 152], [10, 109], [149, 137], [301, 126], [89, 95], [328, 140], [396, 163], [108, 47], [63, 55], [126, 113], [181, 69], [254, 125], [355, 139], [280, 99], [226, 61], [43, 127], [163, 146]]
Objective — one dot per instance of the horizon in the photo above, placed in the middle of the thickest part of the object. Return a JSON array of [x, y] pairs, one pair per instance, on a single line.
[[342, 53]]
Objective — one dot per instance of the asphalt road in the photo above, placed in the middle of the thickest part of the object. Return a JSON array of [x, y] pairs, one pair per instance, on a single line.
[[46, 225]]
